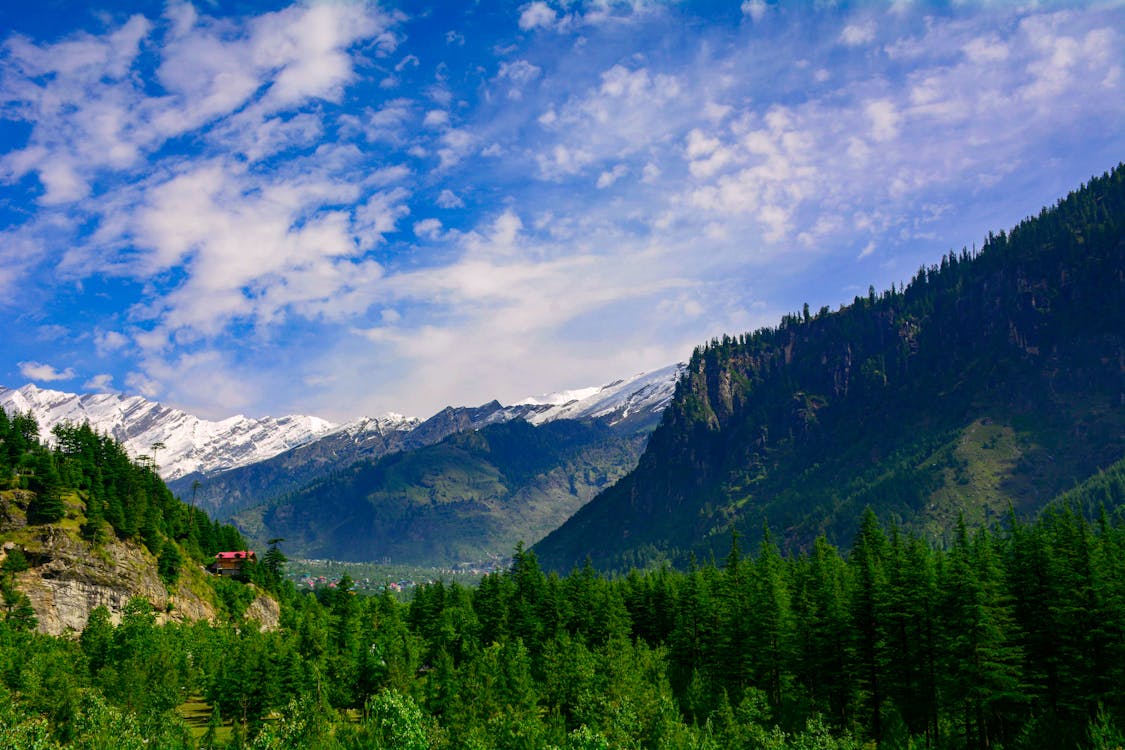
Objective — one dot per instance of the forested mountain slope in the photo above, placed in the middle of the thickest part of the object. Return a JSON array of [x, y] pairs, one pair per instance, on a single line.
[[630, 405], [474, 494], [994, 378]]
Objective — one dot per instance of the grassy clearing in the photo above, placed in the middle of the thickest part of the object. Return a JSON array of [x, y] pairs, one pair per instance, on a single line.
[[196, 713], [978, 462]]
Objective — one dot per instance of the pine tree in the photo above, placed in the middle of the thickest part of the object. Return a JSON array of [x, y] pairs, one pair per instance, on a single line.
[[867, 560], [982, 667], [47, 507]]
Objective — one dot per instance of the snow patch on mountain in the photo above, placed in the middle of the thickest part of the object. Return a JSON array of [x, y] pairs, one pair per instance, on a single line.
[[559, 399], [646, 392]]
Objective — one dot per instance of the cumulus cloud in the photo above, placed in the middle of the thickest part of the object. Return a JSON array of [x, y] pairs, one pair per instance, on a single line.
[[108, 342], [436, 119], [429, 229], [90, 112], [628, 110], [44, 372], [448, 199], [251, 250]]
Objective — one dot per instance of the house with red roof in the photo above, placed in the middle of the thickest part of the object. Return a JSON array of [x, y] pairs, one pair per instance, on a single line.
[[230, 563]]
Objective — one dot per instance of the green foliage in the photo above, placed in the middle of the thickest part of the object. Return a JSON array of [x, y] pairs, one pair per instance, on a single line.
[[168, 563], [17, 611], [394, 722]]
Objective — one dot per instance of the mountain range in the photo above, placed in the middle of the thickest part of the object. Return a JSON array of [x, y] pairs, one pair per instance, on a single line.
[[187, 443], [237, 464]]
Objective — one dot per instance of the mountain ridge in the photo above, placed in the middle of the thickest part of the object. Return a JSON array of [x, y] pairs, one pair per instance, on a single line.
[[239, 462]]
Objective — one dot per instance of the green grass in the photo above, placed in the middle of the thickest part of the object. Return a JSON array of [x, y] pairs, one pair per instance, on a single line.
[[984, 455]]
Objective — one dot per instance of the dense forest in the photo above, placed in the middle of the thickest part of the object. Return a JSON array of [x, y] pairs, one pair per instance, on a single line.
[[1011, 637], [993, 379]]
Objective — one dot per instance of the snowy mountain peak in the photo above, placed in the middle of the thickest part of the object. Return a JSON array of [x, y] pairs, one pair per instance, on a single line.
[[189, 443]]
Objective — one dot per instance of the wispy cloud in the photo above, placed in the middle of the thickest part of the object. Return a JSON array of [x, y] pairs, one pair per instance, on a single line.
[[345, 195]]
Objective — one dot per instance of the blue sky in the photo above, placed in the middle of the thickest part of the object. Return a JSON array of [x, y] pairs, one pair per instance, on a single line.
[[343, 208]]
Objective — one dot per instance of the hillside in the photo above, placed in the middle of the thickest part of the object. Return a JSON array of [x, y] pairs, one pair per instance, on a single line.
[[994, 379], [82, 526], [474, 494]]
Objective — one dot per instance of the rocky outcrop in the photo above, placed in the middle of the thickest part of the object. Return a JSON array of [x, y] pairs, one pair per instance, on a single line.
[[265, 611], [68, 579]]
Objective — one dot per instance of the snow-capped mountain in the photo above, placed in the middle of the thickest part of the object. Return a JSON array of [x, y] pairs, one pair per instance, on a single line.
[[190, 444], [243, 460]]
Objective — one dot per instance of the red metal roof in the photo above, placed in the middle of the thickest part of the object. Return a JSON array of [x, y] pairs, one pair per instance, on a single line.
[[239, 555]]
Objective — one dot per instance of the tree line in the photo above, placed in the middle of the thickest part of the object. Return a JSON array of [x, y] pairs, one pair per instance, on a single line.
[[1010, 637]]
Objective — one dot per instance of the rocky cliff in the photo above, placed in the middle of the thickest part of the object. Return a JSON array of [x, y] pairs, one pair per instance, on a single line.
[[68, 578]]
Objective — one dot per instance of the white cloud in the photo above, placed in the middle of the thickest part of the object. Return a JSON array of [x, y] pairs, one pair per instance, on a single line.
[[410, 61], [536, 15], [140, 383], [44, 372], [379, 216], [448, 199], [429, 229], [436, 119], [986, 50], [858, 34], [626, 112], [520, 73], [884, 120], [108, 342], [607, 178], [756, 9], [251, 250], [455, 146], [91, 112]]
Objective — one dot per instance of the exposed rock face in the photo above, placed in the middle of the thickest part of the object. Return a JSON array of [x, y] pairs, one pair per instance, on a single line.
[[266, 611], [68, 580]]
